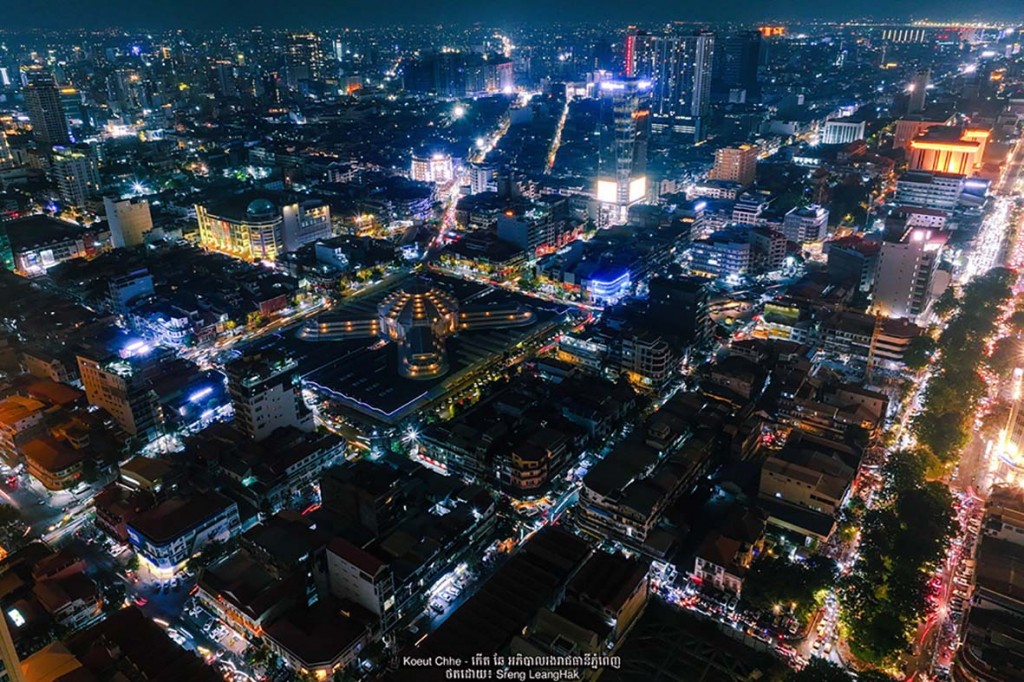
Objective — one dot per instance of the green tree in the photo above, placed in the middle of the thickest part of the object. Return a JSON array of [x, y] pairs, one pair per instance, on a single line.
[[919, 352], [819, 670], [946, 304], [776, 581]]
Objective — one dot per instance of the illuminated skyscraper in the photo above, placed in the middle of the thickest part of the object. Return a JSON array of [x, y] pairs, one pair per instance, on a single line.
[[303, 59], [679, 68], [49, 122], [623, 128]]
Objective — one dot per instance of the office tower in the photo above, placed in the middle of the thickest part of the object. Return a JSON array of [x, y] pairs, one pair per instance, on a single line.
[[5, 151], [303, 59], [265, 392], [10, 666], [622, 163], [905, 285], [737, 55], [116, 381], [679, 68], [681, 303], [736, 164], [45, 111], [129, 220], [805, 224], [76, 174], [918, 91]]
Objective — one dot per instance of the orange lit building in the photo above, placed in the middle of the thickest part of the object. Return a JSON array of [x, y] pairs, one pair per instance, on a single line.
[[939, 151]]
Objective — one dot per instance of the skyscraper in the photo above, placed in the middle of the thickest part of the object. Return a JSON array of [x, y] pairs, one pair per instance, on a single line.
[[49, 122], [679, 68], [623, 127], [129, 220], [905, 283], [918, 91], [737, 55], [76, 175], [303, 59]]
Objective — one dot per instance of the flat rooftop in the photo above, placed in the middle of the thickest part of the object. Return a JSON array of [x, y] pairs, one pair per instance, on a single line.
[[362, 374]]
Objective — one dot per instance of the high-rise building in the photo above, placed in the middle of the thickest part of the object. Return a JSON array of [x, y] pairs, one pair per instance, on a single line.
[[736, 164], [803, 224], [129, 220], [737, 55], [681, 303], [919, 91], [679, 68], [303, 59], [265, 391], [905, 285], [45, 111], [116, 381], [76, 174], [622, 163]]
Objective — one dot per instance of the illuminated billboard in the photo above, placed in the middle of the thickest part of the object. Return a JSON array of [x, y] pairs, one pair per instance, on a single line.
[[637, 189]]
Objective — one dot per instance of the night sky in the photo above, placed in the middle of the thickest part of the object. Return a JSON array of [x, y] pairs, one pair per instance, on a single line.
[[323, 13]]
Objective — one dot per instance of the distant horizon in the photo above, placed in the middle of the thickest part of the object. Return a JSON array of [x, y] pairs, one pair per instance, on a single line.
[[91, 15]]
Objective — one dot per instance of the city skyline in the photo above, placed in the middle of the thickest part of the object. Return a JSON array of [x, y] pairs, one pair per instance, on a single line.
[[194, 14]]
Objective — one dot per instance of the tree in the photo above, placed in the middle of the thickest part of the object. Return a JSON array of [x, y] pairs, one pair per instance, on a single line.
[[12, 528], [919, 352], [946, 304], [819, 670], [1006, 356], [774, 581]]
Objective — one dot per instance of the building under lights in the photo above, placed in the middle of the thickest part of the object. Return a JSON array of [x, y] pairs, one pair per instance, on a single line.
[[116, 381], [679, 69], [434, 167], [624, 127], [256, 228], [945, 149], [906, 283], [419, 319], [169, 534]]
